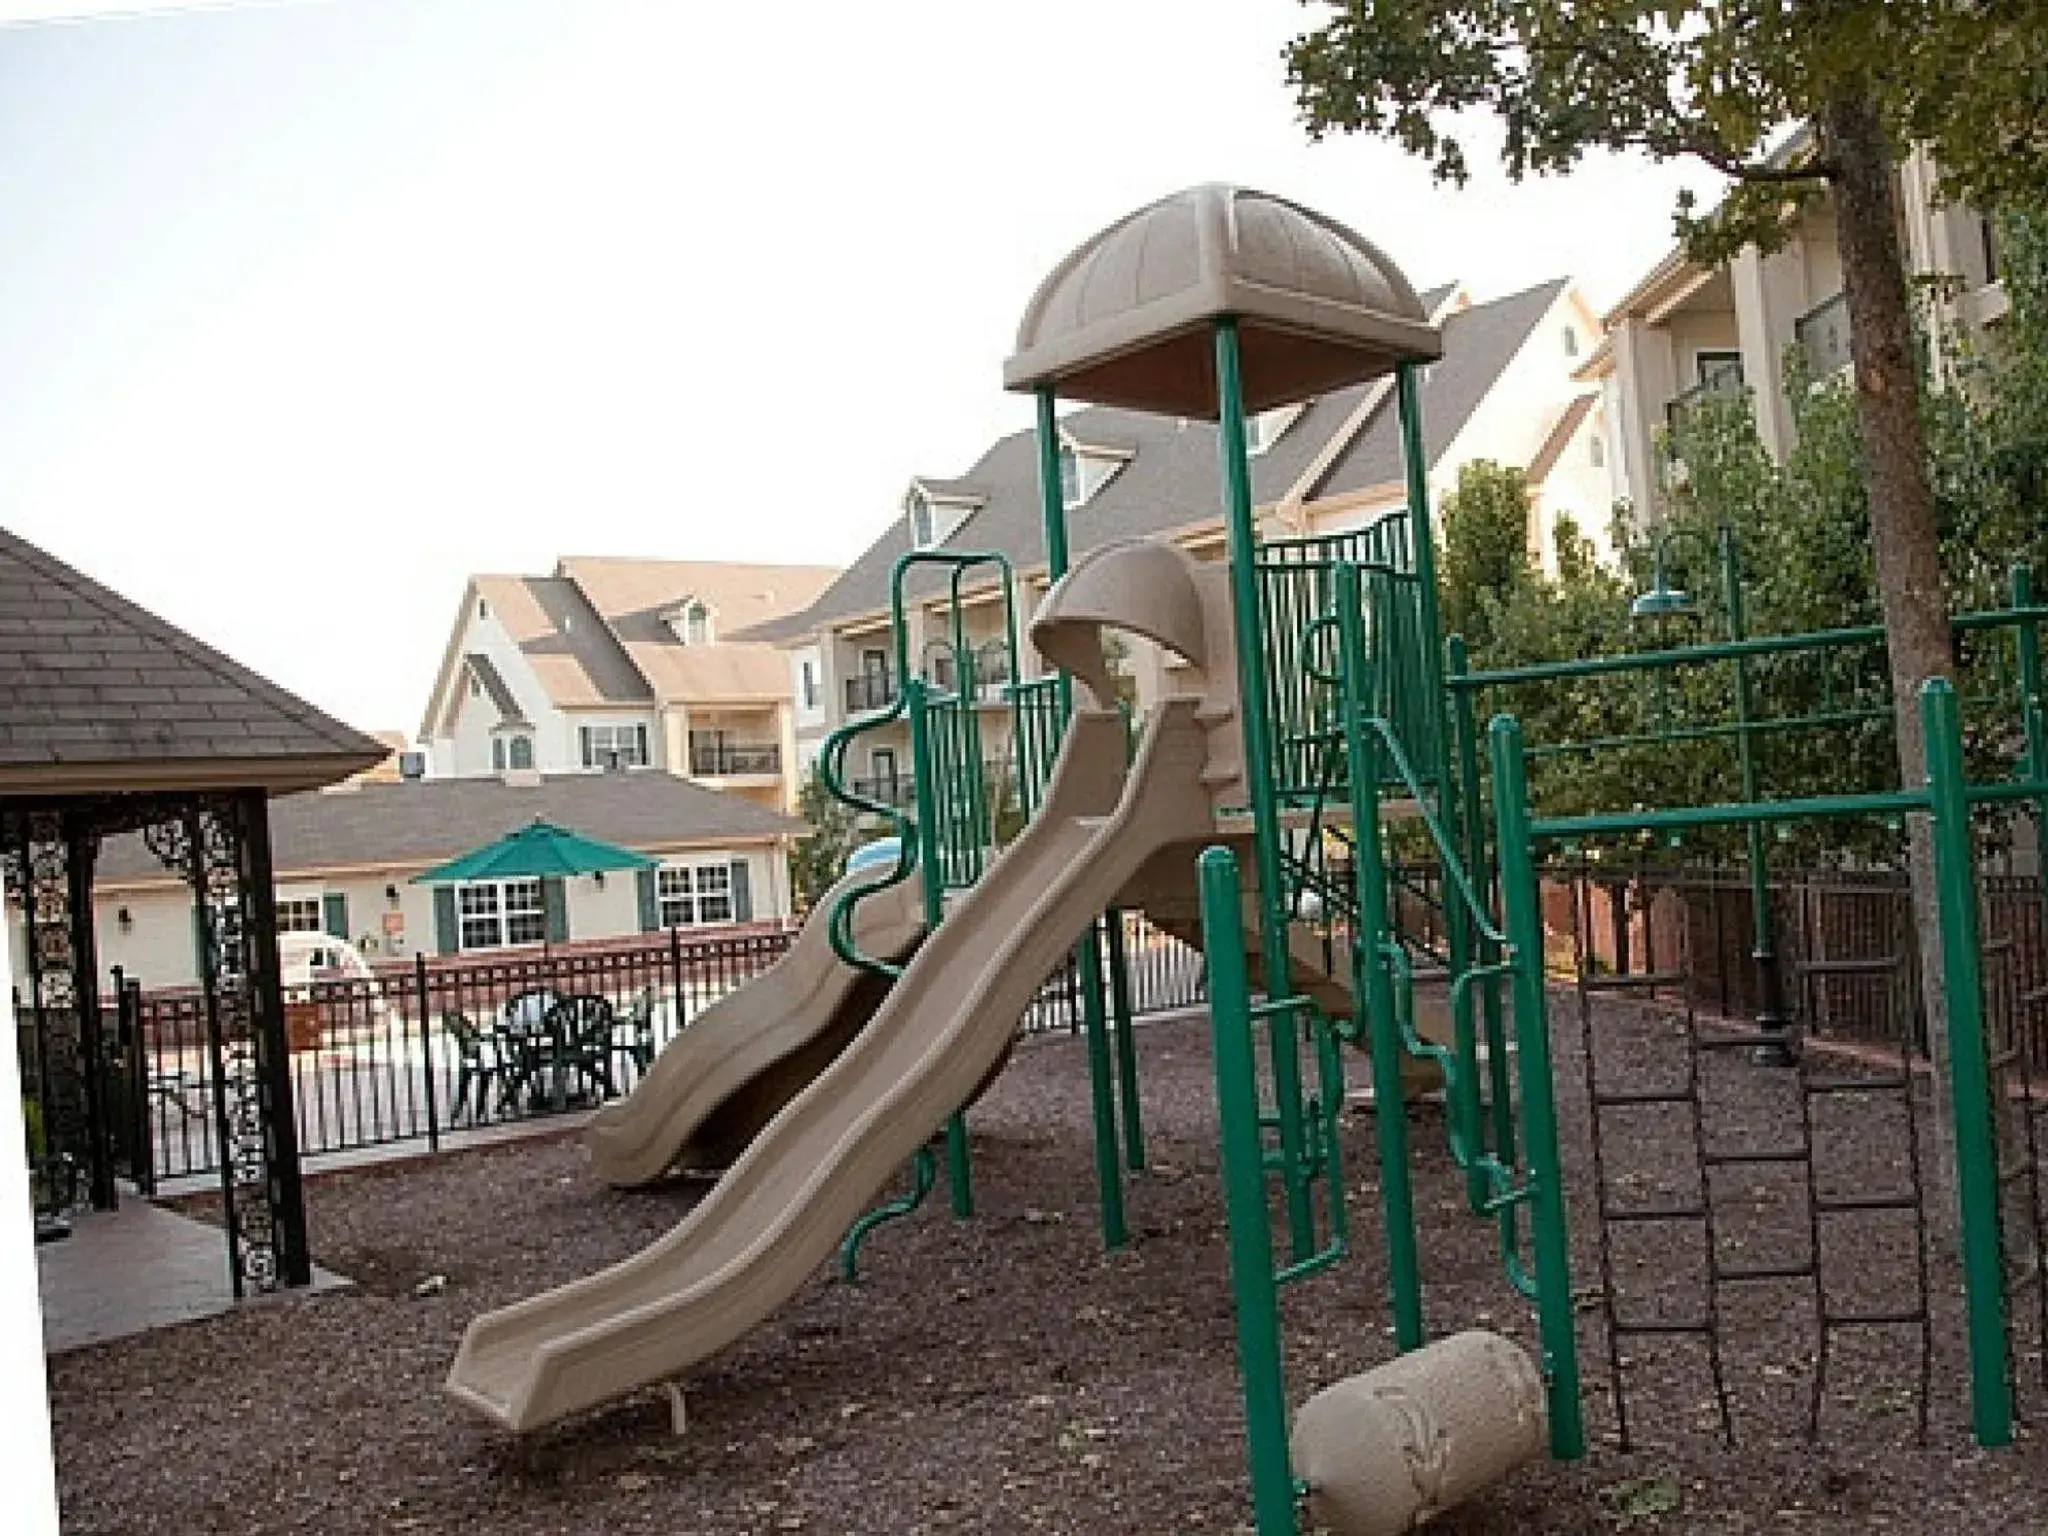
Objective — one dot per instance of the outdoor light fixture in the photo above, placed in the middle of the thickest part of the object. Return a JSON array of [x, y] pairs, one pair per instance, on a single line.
[[598, 876], [1662, 601], [391, 894], [125, 918]]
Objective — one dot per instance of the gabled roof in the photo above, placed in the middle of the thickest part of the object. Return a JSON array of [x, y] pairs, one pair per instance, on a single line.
[[636, 598], [564, 640], [98, 695], [1171, 481], [403, 825], [492, 681], [1559, 438]]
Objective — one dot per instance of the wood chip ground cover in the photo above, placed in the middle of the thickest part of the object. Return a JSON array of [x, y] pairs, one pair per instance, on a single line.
[[1004, 1375]]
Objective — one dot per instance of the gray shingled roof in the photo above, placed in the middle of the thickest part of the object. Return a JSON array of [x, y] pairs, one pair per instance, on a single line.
[[95, 691], [1172, 478], [426, 821], [486, 672]]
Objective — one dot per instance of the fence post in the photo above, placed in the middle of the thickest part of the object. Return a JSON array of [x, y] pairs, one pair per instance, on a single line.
[[419, 974], [1976, 1145]]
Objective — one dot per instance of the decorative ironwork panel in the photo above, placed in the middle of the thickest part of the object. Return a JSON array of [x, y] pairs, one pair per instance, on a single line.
[[40, 871]]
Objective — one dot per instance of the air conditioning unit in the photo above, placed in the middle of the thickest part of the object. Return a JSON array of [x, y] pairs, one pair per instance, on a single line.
[[412, 765]]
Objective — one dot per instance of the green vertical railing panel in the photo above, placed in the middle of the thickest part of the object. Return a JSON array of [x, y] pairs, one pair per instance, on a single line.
[[1976, 1138], [1371, 981], [1126, 1044]]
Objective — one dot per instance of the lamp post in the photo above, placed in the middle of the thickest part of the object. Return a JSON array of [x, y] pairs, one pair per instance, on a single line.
[[1665, 601]]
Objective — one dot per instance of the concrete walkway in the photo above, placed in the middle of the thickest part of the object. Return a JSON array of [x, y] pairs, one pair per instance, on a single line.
[[134, 1269]]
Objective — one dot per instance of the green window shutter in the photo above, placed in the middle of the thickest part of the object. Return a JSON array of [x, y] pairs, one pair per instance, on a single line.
[[742, 892], [640, 733], [650, 905], [447, 935], [554, 901], [334, 914], [498, 753], [583, 736]]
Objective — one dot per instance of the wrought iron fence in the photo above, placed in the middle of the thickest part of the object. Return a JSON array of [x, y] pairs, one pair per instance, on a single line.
[[442, 1046]]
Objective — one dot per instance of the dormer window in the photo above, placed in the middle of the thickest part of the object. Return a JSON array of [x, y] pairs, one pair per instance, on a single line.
[[918, 507], [1255, 438], [1264, 428], [1070, 477], [1571, 342], [696, 623]]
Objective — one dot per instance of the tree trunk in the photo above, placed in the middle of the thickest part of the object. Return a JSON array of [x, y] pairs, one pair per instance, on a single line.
[[1903, 535]]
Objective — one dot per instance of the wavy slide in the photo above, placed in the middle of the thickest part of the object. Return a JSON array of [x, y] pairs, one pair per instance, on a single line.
[[778, 1213], [722, 1079]]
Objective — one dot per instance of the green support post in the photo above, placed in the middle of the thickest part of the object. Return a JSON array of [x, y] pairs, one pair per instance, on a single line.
[[1369, 966], [1244, 1197], [1544, 1172], [1087, 954], [1126, 1043], [1976, 1159], [1763, 953], [1255, 719], [2033, 700]]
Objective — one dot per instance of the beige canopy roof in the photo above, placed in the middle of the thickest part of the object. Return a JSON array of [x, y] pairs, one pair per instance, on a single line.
[[1125, 319]]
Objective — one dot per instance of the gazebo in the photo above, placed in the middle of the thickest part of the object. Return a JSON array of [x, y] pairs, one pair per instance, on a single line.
[[111, 722]]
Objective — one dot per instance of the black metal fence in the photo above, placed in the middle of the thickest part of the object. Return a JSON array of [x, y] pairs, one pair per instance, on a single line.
[[443, 1046], [1844, 940]]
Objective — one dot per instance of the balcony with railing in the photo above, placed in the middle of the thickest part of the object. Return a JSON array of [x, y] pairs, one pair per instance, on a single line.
[[1823, 334], [1718, 381], [991, 662], [725, 759], [866, 691]]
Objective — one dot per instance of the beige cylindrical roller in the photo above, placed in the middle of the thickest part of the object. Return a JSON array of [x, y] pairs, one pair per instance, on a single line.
[[1384, 1451]]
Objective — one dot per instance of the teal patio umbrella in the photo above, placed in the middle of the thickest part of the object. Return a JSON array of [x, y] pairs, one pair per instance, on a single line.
[[535, 852]]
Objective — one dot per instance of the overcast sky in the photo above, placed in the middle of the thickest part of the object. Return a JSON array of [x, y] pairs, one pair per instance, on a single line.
[[307, 311]]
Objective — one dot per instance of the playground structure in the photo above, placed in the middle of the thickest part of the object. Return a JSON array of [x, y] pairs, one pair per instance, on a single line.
[[1312, 705]]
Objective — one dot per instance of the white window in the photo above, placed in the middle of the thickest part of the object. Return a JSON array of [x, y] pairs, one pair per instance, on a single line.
[[919, 509], [696, 625], [1070, 477], [693, 895], [810, 685], [1571, 342], [1596, 450], [499, 912], [522, 751], [300, 914], [604, 745]]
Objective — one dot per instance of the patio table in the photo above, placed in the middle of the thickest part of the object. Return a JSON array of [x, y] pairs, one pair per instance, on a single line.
[[548, 1039]]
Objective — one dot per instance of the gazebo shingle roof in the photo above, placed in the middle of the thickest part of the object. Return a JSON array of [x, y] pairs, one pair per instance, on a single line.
[[98, 694]]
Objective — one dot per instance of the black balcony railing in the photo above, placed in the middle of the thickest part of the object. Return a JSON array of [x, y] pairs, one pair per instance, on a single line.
[[870, 690], [1718, 381], [892, 789], [716, 759], [1823, 333]]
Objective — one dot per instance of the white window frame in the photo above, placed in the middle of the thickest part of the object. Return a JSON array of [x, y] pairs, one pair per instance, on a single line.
[[622, 739], [499, 914], [292, 911], [694, 893], [693, 623], [1073, 481]]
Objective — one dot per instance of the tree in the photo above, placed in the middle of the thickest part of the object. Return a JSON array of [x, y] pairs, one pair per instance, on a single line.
[[1486, 545], [1712, 80], [818, 858]]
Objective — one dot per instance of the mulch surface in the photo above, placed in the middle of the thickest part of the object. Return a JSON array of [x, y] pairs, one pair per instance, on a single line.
[[1005, 1375]]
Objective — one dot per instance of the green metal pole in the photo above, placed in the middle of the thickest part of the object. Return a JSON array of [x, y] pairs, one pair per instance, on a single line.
[[2033, 700], [1369, 966], [1087, 954], [1478, 862], [1549, 1225], [1126, 1042], [1763, 954], [1256, 721], [1244, 1197], [1969, 1069], [1458, 936]]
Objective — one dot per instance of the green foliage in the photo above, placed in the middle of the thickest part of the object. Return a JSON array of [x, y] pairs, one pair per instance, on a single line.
[[1705, 80], [1801, 534], [1486, 545], [818, 859]]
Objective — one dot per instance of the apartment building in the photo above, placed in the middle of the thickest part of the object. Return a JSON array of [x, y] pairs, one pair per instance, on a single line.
[[625, 664], [1504, 390], [1688, 332]]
